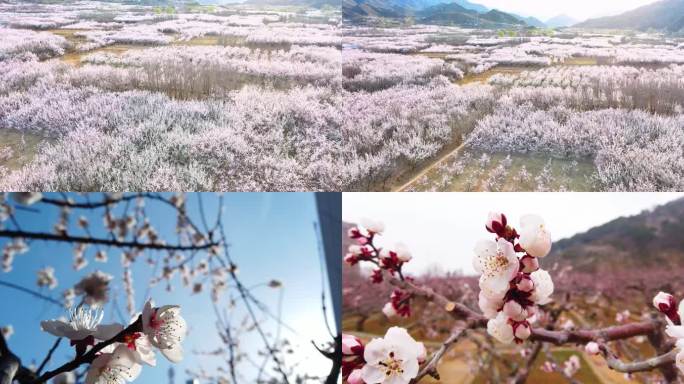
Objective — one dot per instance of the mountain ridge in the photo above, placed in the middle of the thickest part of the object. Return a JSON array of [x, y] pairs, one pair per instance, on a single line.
[[666, 15], [646, 239]]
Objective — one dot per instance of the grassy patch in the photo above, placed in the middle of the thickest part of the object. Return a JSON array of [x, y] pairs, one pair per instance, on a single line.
[[569, 174], [24, 147]]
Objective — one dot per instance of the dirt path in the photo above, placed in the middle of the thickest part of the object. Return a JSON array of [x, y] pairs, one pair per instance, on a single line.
[[428, 168]]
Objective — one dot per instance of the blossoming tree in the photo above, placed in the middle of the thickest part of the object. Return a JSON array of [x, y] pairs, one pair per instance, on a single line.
[[516, 306], [136, 227]]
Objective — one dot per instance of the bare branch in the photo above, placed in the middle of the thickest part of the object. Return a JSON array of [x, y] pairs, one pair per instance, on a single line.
[[638, 366], [107, 242], [431, 367]]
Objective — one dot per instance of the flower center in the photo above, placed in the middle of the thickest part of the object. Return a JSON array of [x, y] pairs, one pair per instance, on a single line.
[[392, 365], [155, 322], [496, 264], [130, 339]]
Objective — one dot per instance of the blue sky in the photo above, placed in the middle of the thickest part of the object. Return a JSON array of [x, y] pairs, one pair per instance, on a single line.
[[271, 236]]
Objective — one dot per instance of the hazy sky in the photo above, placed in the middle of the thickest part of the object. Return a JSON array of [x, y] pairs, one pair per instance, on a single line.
[[578, 9], [441, 229]]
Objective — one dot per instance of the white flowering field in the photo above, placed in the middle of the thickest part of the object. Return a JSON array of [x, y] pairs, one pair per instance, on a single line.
[[110, 96], [571, 110]]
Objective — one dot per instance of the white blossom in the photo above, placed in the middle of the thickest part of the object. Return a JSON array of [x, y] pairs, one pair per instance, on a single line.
[[83, 322], [497, 264], [392, 359], [117, 367], [165, 329]]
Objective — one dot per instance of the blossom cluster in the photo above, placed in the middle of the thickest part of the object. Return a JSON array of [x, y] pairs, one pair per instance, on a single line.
[[511, 283], [390, 260], [126, 349]]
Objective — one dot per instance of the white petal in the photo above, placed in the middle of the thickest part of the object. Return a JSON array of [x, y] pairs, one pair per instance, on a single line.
[[543, 287], [124, 358], [675, 331], [484, 249], [500, 329], [375, 351], [372, 374], [173, 354], [410, 368], [145, 352], [107, 331], [148, 310]]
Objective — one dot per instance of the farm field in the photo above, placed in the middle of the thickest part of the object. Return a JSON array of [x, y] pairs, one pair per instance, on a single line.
[[254, 97], [114, 96], [598, 110]]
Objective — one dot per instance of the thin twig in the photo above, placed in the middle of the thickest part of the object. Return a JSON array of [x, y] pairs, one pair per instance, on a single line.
[[49, 356]]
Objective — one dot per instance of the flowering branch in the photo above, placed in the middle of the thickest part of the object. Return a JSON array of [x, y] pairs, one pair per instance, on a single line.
[[88, 357], [557, 337], [511, 288]]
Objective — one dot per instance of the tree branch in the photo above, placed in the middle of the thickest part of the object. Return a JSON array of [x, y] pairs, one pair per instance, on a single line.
[[31, 292], [107, 242], [462, 312], [638, 366], [431, 367]]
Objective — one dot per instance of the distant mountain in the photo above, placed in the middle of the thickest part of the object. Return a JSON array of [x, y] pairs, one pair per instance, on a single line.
[[561, 21], [532, 21], [454, 14], [358, 10], [666, 15], [651, 238], [308, 3], [472, 6]]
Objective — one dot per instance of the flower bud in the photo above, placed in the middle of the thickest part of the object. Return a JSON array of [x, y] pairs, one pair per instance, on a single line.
[[496, 222], [402, 252], [525, 284], [534, 237], [350, 345], [666, 304], [514, 311], [355, 377], [389, 310], [592, 348], [354, 233], [522, 331], [529, 264]]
